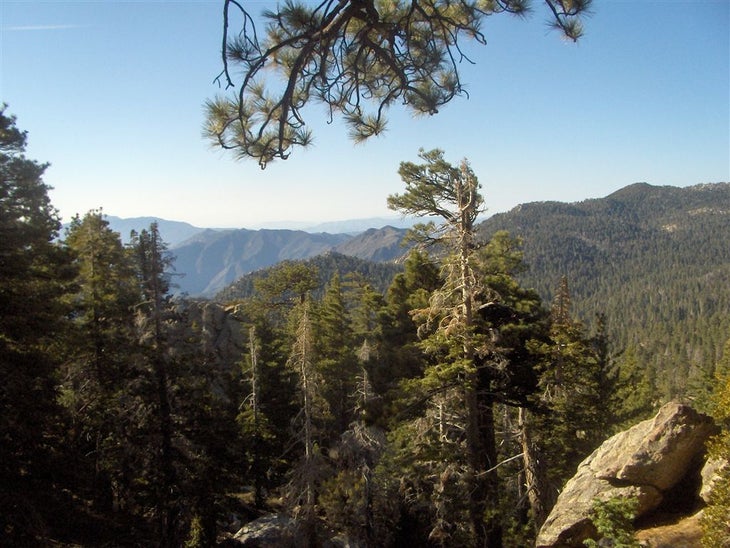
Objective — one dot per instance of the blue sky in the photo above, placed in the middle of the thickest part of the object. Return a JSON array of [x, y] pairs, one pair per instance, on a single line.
[[112, 96]]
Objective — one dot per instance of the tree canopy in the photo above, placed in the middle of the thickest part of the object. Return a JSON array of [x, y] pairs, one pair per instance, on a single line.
[[357, 57]]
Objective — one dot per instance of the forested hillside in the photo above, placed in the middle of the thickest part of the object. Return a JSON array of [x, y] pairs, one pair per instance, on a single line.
[[378, 275], [654, 260]]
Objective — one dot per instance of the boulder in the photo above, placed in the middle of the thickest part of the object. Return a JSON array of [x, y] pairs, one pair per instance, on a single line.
[[658, 451], [650, 461], [268, 531]]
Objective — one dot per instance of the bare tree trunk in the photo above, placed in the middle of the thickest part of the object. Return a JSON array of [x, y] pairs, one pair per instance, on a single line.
[[255, 404], [534, 472], [302, 360]]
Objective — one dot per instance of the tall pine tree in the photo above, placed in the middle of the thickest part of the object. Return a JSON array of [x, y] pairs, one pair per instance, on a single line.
[[101, 344], [34, 273], [461, 415]]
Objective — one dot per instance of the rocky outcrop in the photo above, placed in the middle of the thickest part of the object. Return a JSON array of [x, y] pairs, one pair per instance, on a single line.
[[282, 531], [221, 333], [658, 461], [272, 530]]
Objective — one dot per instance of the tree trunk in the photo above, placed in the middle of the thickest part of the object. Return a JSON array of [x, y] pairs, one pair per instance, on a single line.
[[490, 485], [258, 479], [534, 472]]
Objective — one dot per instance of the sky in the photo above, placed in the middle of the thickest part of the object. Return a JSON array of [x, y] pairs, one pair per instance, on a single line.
[[111, 94]]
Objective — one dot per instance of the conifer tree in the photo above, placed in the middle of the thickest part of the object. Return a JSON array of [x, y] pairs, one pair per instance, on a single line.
[[266, 437], [336, 360], [352, 499], [507, 318], [716, 520], [514, 319], [177, 470], [204, 409], [287, 284], [252, 418], [34, 274], [571, 422], [153, 321], [309, 473], [274, 311], [409, 291], [101, 347], [635, 396], [461, 415]]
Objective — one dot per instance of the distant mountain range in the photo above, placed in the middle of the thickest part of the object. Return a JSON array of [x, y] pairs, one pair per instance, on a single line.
[[208, 259], [176, 232], [349, 226], [172, 232], [212, 259]]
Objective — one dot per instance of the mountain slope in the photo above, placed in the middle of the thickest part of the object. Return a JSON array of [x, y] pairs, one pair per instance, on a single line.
[[655, 260], [213, 259], [376, 244]]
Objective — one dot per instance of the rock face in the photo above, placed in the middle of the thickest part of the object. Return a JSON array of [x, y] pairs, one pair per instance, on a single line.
[[658, 461], [222, 334], [710, 475]]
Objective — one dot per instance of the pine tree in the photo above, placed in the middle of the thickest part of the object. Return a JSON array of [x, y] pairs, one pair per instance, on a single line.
[[352, 499], [436, 188], [100, 348], [570, 423], [335, 350], [204, 408], [153, 320], [34, 274], [408, 291], [715, 521], [286, 284], [475, 329], [349, 55], [252, 419], [635, 395], [181, 438], [309, 473], [515, 320]]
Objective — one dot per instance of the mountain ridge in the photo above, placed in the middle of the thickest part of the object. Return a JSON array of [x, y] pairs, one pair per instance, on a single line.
[[175, 233]]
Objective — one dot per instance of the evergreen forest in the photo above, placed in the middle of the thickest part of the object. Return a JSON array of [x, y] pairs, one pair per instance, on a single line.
[[649, 265], [440, 403]]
